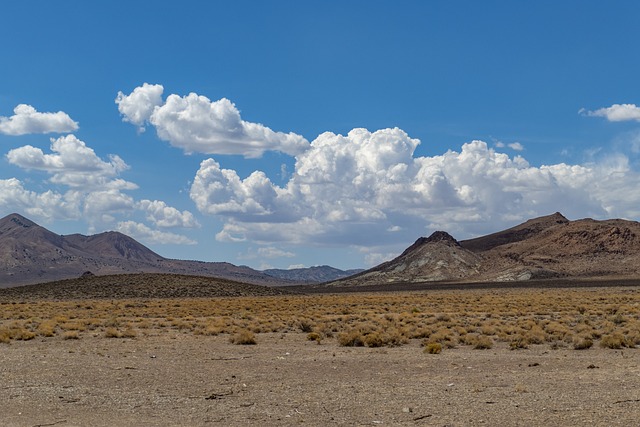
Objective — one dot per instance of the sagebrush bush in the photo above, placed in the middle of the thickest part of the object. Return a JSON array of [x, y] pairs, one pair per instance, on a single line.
[[243, 337], [582, 342], [433, 348]]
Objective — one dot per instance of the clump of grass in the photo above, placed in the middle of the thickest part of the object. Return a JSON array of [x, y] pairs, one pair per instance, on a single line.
[[518, 343], [5, 336], [614, 341], [243, 337], [352, 338], [433, 348], [483, 342], [314, 336], [23, 334], [129, 332], [47, 328], [112, 333], [582, 342], [71, 335]]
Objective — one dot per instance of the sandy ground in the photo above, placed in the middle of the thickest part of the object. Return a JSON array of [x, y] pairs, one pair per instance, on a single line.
[[176, 379]]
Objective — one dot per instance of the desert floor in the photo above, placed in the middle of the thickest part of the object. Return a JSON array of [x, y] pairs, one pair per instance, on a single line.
[[178, 378]]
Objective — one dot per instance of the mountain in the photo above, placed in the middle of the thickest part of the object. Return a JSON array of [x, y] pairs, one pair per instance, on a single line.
[[433, 258], [32, 254], [540, 248], [318, 274]]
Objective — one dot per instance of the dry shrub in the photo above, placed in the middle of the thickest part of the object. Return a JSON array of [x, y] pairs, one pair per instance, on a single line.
[[519, 342], [433, 348], [22, 334], [582, 342], [352, 338], [314, 336], [112, 333], [536, 335], [243, 337], [71, 335], [614, 341], [46, 328], [129, 332], [483, 342], [5, 336]]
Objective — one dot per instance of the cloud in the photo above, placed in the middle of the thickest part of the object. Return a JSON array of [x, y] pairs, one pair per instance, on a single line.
[[271, 252], [350, 190], [198, 125], [49, 205], [268, 252], [615, 113], [137, 107], [26, 120], [516, 146], [166, 216], [72, 163], [147, 235], [96, 192]]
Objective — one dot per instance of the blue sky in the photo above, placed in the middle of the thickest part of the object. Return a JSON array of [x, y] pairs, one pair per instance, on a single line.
[[295, 133]]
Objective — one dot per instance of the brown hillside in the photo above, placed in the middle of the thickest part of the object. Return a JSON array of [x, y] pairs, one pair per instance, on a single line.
[[541, 248], [31, 254]]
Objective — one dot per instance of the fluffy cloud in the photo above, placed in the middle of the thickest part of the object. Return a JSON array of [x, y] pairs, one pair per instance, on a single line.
[[166, 216], [142, 232], [27, 120], [95, 193], [72, 163], [137, 107], [616, 113], [198, 125], [366, 187], [49, 205]]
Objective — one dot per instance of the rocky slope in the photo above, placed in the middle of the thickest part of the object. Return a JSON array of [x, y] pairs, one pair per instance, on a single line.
[[541, 248]]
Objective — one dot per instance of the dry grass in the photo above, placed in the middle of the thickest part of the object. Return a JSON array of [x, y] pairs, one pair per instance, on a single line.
[[578, 318]]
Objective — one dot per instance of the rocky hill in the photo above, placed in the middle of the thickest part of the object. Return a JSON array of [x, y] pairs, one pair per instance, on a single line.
[[32, 254], [541, 248]]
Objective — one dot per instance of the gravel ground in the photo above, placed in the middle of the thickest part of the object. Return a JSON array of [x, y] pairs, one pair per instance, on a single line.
[[175, 379]]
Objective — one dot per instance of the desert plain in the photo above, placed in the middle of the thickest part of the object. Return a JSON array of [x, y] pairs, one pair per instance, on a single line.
[[451, 357]]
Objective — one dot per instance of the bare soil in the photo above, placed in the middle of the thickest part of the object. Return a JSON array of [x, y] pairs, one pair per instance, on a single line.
[[174, 378]]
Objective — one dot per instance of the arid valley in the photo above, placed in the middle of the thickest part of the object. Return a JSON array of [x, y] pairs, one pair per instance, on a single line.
[[545, 338]]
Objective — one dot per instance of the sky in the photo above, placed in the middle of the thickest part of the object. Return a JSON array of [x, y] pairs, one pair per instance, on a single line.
[[289, 134]]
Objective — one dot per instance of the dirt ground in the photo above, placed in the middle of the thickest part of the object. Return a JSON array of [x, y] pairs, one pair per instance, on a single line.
[[173, 379]]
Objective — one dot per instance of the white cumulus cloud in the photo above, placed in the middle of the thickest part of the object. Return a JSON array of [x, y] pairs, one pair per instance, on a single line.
[[163, 215], [353, 189], [616, 113], [72, 163], [196, 124], [27, 120], [137, 107], [49, 205], [148, 235]]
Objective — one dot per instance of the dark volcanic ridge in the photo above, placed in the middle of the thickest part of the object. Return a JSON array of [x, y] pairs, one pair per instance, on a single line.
[[136, 286], [549, 247]]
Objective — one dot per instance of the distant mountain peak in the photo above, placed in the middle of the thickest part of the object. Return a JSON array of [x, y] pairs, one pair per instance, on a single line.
[[435, 237], [15, 220]]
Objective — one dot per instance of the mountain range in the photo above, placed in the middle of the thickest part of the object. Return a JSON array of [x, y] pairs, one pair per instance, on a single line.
[[547, 247], [542, 248], [32, 254]]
